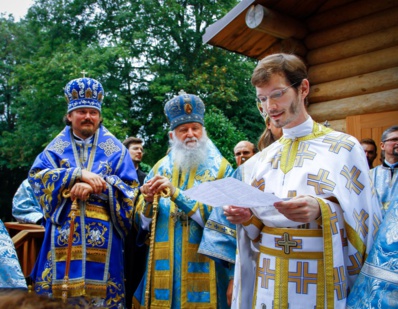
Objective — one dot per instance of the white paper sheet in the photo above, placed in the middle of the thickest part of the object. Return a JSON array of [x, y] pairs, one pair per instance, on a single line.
[[230, 191]]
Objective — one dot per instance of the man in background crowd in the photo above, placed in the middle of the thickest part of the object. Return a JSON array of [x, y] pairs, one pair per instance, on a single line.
[[135, 256], [136, 150], [385, 176], [243, 151], [370, 148]]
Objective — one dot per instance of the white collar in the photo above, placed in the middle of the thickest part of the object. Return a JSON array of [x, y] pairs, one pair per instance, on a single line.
[[85, 141], [300, 130]]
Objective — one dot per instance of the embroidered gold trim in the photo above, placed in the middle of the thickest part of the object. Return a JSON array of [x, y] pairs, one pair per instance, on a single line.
[[92, 254], [96, 212], [328, 253], [81, 288], [220, 228], [60, 253], [293, 232], [96, 255], [320, 288], [292, 254], [75, 289], [254, 221], [355, 239]]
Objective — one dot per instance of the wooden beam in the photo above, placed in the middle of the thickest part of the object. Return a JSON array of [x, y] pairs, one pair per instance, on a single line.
[[337, 125], [348, 12], [349, 67], [349, 87], [364, 104], [364, 44], [273, 23], [329, 5], [289, 46], [361, 26]]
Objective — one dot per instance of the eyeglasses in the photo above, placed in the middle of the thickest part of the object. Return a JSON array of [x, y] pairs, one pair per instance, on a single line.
[[394, 140], [276, 95]]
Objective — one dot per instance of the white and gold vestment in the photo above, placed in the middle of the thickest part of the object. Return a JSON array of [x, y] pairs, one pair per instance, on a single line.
[[293, 265]]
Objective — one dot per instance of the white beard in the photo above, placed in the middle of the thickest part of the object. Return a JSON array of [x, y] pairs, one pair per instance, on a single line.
[[189, 155]]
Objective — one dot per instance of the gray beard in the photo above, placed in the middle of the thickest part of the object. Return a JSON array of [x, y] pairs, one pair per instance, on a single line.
[[188, 157]]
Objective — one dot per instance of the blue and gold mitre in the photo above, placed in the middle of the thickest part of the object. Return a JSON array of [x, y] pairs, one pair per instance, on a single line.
[[84, 93], [184, 108]]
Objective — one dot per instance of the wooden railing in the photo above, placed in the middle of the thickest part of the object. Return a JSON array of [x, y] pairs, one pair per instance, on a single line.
[[27, 240]]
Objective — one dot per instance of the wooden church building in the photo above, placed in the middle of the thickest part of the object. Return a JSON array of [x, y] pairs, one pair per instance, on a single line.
[[350, 48]]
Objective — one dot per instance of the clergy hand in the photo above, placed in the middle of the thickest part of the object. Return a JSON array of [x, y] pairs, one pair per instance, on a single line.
[[81, 191], [237, 215], [303, 208], [156, 185], [97, 183]]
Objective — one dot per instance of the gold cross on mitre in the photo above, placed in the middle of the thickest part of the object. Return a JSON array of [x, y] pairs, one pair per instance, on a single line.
[[83, 73]]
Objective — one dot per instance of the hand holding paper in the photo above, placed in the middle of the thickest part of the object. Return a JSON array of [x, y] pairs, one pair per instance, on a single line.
[[230, 191]]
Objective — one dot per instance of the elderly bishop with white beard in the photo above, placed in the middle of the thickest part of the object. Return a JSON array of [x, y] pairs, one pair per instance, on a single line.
[[180, 277]]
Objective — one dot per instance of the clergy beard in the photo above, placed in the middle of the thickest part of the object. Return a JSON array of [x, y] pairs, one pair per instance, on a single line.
[[189, 156]]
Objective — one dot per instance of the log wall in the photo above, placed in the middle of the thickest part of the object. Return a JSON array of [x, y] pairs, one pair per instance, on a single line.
[[353, 61]]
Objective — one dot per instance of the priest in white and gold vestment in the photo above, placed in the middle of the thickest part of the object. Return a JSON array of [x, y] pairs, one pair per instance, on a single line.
[[308, 254]]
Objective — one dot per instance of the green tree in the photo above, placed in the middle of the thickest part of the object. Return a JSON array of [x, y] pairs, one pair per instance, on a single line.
[[218, 127], [176, 58], [143, 52]]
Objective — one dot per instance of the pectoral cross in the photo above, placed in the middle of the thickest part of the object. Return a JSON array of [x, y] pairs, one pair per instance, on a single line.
[[179, 215], [83, 73]]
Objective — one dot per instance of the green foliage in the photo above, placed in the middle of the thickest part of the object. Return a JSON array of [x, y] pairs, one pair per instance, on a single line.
[[145, 167], [143, 53], [218, 128]]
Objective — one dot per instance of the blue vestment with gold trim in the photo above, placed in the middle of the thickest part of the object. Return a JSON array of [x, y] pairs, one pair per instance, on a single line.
[[25, 207], [377, 283], [181, 277], [96, 267], [385, 181], [11, 276]]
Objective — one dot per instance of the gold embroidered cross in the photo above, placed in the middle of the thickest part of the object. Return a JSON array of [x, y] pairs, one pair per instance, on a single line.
[[83, 73], [286, 243]]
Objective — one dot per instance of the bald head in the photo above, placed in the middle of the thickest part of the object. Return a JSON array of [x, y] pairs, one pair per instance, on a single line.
[[243, 151]]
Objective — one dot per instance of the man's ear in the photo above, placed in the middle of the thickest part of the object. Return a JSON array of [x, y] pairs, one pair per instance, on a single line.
[[305, 87]]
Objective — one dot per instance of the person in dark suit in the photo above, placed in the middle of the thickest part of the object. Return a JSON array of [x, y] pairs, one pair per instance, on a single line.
[[134, 255]]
